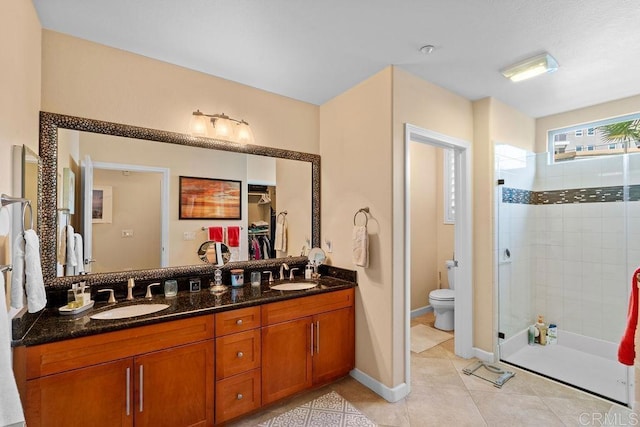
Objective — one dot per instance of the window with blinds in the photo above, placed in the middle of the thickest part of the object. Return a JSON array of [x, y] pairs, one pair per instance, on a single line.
[[449, 186]]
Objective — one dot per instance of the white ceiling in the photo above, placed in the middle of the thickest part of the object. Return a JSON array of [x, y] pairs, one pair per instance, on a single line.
[[315, 50]]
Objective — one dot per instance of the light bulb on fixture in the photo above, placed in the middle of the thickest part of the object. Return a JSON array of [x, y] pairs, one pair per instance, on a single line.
[[222, 127]]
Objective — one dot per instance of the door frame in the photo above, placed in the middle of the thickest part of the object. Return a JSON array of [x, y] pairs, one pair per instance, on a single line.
[[164, 200], [463, 314]]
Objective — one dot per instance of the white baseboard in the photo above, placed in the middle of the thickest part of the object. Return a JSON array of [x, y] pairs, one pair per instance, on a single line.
[[389, 394], [485, 356], [420, 311]]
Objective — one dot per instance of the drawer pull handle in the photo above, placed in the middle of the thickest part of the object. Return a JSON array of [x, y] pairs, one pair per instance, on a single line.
[[240, 354], [239, 396], [239, 322], [128, 391]]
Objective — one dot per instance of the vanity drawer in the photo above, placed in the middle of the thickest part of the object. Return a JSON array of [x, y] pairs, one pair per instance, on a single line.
[[237, 395], [283, 311], [242, 319], [237, 353]]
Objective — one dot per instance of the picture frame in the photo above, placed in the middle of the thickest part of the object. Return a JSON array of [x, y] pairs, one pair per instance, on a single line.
[[68, 190], [209, 198], [102, 204]]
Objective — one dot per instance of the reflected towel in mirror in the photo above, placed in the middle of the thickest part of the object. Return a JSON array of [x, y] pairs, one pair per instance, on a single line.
[[36, 295]]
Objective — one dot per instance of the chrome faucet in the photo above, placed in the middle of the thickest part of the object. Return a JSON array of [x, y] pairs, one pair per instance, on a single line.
[[149, 295], [291, 277], [131, 283], [270, 273], [283, 267]]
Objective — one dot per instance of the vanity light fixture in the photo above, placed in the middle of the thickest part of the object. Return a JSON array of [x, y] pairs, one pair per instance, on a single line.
[[224, 127], [539, 64]]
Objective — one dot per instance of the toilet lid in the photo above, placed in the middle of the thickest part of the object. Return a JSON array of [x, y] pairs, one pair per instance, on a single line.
[[442, 295]]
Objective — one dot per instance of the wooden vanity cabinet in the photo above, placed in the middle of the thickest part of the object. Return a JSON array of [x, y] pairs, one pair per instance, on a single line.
[[306, 342], [157, 375]]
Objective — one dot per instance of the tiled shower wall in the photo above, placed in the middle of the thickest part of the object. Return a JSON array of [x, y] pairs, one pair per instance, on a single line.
[[574, 238]]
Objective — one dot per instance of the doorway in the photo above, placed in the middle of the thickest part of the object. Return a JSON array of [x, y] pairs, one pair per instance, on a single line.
[[463, 313]]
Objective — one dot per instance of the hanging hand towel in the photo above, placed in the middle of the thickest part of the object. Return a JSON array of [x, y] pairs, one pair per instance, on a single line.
[[77, 240], [70, 261], [233, 236], [280, 243], [626, 349], [17, 274], [360, 251], [62, 245], [36, 295], [10, 406], [216, 234]]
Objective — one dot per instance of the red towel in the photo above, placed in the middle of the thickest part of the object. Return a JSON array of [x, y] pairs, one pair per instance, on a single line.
[[216, 234], [233, 236], [626, 350]]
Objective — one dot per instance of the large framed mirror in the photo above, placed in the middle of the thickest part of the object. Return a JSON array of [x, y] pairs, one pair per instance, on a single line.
[[80, 154]]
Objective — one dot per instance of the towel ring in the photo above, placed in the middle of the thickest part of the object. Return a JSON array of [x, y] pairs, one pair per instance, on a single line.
[[283, 213], [24, 213], [363, 211]]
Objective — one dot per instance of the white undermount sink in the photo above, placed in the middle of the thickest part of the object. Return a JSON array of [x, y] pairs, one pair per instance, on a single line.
[[294, 286], [129, 311]]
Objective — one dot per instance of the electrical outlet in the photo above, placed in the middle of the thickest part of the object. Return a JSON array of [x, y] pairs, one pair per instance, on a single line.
[[127, 233], [329, 245], [189, 235]]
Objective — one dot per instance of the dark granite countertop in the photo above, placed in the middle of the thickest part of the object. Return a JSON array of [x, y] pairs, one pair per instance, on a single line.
[[49, 326]]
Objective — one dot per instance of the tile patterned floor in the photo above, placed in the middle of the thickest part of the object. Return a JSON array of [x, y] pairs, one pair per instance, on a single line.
[[441, 395]]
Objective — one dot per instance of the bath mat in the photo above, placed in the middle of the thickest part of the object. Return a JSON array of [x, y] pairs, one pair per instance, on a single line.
[[424, 337], [328, 410]]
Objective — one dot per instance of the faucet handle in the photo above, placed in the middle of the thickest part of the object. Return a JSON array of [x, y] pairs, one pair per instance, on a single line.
[[148, 295], [112, 299], [270, 275], [291, 276]]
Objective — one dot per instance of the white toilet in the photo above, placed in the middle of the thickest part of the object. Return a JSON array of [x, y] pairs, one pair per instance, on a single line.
[[443, 301]]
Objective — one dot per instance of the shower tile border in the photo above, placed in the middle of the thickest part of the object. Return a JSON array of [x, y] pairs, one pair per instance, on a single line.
[[616, 193]]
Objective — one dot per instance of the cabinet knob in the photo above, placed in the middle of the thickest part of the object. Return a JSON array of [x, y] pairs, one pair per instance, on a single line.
[[239, 396], [239, 322], [240, 354]]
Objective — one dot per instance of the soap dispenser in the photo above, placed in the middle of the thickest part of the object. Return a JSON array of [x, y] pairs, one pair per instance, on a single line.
[[308, 271]]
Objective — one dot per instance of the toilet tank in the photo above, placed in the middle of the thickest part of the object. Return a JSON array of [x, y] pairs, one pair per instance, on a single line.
[[451, 264]]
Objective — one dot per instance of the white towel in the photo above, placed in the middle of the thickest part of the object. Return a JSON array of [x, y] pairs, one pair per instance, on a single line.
[[36, 295], [79, 253], [281, 235], [360, 254], [10, 406], [61, 254], [17, 274], [71, 252]]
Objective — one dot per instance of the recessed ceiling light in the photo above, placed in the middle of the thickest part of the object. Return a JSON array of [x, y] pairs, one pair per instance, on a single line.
[[427, 49], [540, 64]]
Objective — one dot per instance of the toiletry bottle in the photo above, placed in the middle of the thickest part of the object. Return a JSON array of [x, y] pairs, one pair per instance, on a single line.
[[552, 334], [531, 334], [543, 331], [308, 271]]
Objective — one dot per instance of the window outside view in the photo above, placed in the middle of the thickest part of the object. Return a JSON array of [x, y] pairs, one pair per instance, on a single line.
[[613, 136]]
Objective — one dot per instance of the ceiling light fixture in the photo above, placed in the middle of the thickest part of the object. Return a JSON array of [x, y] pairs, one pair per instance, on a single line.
[[223, 127], [540, 64]]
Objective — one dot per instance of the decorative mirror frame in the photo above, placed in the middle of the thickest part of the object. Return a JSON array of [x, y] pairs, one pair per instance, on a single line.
[[47, 198]]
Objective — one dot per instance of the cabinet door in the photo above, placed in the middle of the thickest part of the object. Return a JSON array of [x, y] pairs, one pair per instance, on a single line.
[[286, 359], [175, 387], [334, 345], [99, 395]]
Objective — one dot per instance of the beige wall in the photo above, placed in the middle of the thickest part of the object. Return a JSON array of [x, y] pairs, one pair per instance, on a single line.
[[493, 122], [19, 88], [86, 79], [432, 241], [355, 145], [583, 115]]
